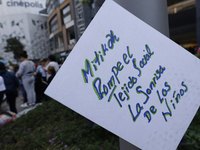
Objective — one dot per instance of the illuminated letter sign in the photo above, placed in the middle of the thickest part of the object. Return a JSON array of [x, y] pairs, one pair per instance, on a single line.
[[25, 4]]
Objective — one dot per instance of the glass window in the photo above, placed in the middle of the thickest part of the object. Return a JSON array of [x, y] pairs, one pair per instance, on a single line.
[[66, 10], [66, 14], [70, 36], [61, 1], [52, 47], [67, 19], [53, 24]]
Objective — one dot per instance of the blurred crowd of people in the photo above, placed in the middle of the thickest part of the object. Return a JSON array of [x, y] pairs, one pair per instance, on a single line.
[[31, 79]]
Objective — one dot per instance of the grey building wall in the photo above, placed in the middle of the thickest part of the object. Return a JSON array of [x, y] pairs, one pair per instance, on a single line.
[[84, 13], [80, 19]]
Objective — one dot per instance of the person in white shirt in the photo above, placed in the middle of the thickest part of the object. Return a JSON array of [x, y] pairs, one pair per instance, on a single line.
[[2, 89], [41, 69], [53, 63]]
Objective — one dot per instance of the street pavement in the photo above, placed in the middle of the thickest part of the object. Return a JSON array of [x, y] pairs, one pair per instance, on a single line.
[[19, 101]]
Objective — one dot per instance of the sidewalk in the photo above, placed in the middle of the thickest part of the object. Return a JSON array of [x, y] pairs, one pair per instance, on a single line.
[[19, 101]]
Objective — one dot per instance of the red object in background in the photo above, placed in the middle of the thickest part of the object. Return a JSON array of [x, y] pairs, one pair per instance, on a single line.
[[198, 51], [7, 117]]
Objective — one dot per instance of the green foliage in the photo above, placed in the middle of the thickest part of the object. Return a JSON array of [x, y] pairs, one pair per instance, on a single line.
[[191, 139], [86, 2], [54, 126], [10, 63], [15, 46]]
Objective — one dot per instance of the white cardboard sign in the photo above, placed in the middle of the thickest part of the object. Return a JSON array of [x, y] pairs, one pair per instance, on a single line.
[[130, 79]]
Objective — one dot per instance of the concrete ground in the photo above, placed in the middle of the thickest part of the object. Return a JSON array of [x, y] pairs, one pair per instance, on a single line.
[[19, 101]]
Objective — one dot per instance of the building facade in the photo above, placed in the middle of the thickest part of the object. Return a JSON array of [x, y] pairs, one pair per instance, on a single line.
[[21, 19], [183, 23], [60, 27], [67, 21]]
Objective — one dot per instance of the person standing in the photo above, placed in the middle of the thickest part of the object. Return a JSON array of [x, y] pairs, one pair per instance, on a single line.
[[16, 68], [40, 87], [41, 69], [52, 62], [11, 83], [52, 73], [2, 89], [26, 72]]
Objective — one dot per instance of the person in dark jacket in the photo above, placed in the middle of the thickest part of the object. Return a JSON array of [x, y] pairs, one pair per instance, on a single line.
[[40, 87], [52, 72], [11, 83]]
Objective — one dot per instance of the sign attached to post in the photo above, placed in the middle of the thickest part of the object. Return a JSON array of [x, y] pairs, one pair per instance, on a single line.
[[130, 79]]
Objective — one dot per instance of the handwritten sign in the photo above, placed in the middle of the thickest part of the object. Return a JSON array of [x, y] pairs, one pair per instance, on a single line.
[[130, 79]]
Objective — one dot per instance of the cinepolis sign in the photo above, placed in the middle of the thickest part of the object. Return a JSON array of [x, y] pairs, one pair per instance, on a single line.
[[25, 4]]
